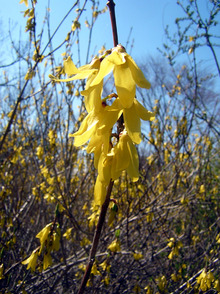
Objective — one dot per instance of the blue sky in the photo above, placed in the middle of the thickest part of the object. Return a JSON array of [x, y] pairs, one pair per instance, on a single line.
[[147, 18]]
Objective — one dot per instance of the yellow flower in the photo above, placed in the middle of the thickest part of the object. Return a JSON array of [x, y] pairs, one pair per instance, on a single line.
[[96, 123], [100, 191], [43, 235], [217, 285], [132, 118], [67, 234], [205, 280], [89, 71], [99, 143], [137, 255], [161, 283], [93, 94], [122, 157], [175, 245], [171, 243], [94, 270], [202, 189], [1, 271], [47, 261], [32, 260], [40, 152], [115, 246], [25, 2], [30, 74], [97, 126], [88, 129], [104, 175], [126, 75], [125, 157], [80, 73], [75, 25]]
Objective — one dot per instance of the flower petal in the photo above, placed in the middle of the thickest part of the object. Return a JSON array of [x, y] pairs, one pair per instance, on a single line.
[[98, 144], [133, 168], [142, 112], [43, 234], [53, 78], [83, 138], [31, 261], [125, 85], [108, 119], [47, 261], [93, 98], [105, 68], [80, 76], [69, 67], [137, 73], [99, 191], [116, 58], [132, 124], [121, 157], [104, 168], [86, 130]]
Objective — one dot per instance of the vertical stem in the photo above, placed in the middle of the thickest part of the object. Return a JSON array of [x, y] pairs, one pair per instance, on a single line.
[[96, 238], [111, 6], [105, 205]]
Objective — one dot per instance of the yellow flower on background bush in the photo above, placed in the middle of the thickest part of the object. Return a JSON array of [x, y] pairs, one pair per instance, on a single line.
[[67, 234], [115, 246], [31, 261], [43, 235], [205, 280], [50, 241], [24, 1], [47, 261], [175, 246], [137, 255]]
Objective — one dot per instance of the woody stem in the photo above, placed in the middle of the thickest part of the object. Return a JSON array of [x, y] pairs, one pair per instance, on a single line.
[[96, 238], [111, 6]]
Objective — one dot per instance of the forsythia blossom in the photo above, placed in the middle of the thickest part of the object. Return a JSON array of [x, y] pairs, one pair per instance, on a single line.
[[49, 238], [32, 260], [113, 153]]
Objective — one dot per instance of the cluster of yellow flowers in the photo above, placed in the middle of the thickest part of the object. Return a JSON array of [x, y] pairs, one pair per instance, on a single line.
[[175, 246], [113, 153], [50, 241]]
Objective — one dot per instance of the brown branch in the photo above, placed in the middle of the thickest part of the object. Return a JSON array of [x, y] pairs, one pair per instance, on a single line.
[[96, 238], [111, 6]]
